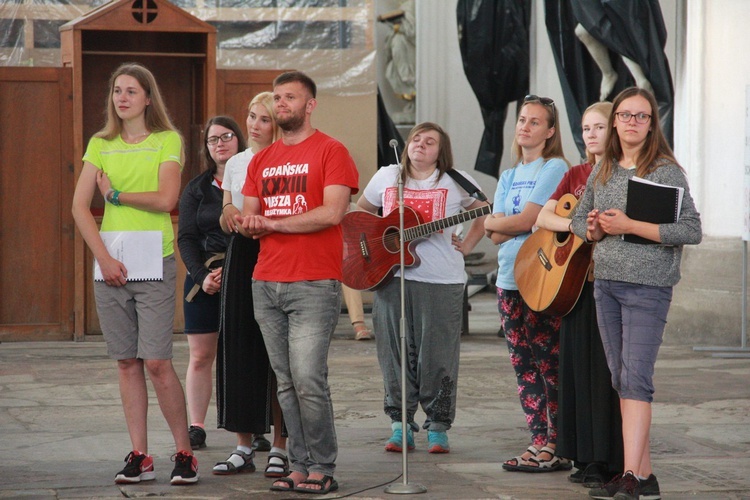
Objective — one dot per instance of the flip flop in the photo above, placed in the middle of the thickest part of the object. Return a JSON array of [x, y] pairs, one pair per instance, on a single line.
[[332, 486]]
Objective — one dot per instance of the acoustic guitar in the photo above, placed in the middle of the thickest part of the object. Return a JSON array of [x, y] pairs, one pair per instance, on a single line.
[[372, 244], [551, 267]]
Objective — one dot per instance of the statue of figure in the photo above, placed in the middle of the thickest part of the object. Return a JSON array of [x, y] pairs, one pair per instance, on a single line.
[[400, 70], [600, 54]]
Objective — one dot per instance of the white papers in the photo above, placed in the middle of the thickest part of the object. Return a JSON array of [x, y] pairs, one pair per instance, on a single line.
[[139, 251]]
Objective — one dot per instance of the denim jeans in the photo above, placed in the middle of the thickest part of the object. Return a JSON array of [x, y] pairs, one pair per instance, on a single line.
[[297, 321], [631, 319]]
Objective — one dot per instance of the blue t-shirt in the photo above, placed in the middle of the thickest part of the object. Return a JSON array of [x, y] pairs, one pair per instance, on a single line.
[[533, 182]]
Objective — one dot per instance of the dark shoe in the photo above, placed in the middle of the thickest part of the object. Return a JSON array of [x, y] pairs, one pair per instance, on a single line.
[[577, 476], [227, 468], [595, 475], [630, 488], [197, 437], [260, 443], [650, 489], [138, 467], [608, 490], [185, 468]]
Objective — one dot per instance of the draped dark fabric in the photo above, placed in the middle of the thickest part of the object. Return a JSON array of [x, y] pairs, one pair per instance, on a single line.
[[631, 28], [493, 38], [386, 131]]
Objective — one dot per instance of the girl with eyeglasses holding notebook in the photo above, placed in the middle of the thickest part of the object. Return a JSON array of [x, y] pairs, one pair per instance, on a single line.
[[633, 281]]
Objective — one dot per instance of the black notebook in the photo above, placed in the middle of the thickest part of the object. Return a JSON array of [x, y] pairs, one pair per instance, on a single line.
[[652, 202]]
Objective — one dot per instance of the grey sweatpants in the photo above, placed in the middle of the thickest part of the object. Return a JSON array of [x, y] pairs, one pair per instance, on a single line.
[[433, 315]]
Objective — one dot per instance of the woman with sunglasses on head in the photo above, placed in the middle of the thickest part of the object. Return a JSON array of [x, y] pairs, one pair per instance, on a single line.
[[245, 383], [589, 423], [633, 281], [533, 338], [202, 246]]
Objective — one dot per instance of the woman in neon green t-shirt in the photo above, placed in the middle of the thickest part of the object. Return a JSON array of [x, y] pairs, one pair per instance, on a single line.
[[135, 161]]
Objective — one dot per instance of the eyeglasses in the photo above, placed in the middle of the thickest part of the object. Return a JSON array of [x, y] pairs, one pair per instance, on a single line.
[[543, 100], [625, 116], [214, 139]]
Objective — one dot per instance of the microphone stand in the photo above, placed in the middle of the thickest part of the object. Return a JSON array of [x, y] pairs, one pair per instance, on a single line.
[[404, 488]]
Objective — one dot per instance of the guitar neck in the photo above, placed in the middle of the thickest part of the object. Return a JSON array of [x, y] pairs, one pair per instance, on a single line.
[[422, 230]]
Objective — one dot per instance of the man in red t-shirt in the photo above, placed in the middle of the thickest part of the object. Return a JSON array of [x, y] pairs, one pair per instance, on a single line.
[[296, 193]]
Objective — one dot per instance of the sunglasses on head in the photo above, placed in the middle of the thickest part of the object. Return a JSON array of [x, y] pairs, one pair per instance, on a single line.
[[543, 100]]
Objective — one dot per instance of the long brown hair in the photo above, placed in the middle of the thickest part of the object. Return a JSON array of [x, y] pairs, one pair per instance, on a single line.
[[552, 146], [655, 146], [156, 116], [445, 152]]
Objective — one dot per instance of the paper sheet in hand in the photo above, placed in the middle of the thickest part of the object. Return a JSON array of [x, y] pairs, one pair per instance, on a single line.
[[140, 251], [652, 202]]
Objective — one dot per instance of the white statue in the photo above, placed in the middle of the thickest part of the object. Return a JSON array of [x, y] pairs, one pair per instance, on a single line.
[[400, 70], [600, 55]]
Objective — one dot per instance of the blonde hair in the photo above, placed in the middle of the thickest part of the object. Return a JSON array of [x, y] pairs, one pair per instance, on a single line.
[[265, 99], [156, 116], [604, 108]]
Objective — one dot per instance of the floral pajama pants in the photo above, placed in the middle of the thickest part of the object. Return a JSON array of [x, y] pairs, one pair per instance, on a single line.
[[534, 348]]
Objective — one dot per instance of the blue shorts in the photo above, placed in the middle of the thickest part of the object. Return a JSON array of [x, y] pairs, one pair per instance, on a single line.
[[202, 314], [631, 319]]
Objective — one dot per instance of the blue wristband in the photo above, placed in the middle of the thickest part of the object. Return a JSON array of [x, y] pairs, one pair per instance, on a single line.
[[116, 198]]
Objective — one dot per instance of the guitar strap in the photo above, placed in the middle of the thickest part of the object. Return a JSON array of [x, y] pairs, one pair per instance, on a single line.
[[468, 186]]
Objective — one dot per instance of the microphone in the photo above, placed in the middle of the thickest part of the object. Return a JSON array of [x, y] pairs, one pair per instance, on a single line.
[[394, 144]]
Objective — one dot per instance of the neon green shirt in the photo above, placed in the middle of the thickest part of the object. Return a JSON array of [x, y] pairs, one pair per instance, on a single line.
[[134, 168]]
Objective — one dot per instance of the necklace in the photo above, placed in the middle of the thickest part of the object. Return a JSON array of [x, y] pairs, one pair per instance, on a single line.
[[132, 139]]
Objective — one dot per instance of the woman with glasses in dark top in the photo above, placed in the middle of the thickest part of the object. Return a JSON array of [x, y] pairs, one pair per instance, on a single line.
[[633, 281], [202, 246], [533, 338]]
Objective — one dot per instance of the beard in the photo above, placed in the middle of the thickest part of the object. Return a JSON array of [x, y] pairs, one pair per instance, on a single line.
[[291, 122]]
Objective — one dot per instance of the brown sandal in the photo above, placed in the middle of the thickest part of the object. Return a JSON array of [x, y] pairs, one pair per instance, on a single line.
[[361, 332]]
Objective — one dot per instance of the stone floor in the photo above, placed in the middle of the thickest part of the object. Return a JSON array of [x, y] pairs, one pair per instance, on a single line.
[[63, 435]]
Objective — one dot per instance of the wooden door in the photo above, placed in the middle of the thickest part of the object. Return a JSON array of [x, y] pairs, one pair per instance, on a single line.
[[36, 192], [235, 88]]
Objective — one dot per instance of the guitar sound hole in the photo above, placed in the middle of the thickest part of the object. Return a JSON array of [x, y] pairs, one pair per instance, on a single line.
[[561, 237], [391, 240]]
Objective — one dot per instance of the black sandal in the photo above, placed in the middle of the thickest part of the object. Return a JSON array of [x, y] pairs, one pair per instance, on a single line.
[[277, 469], [329, 480], [287, 480], [230, 468]]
